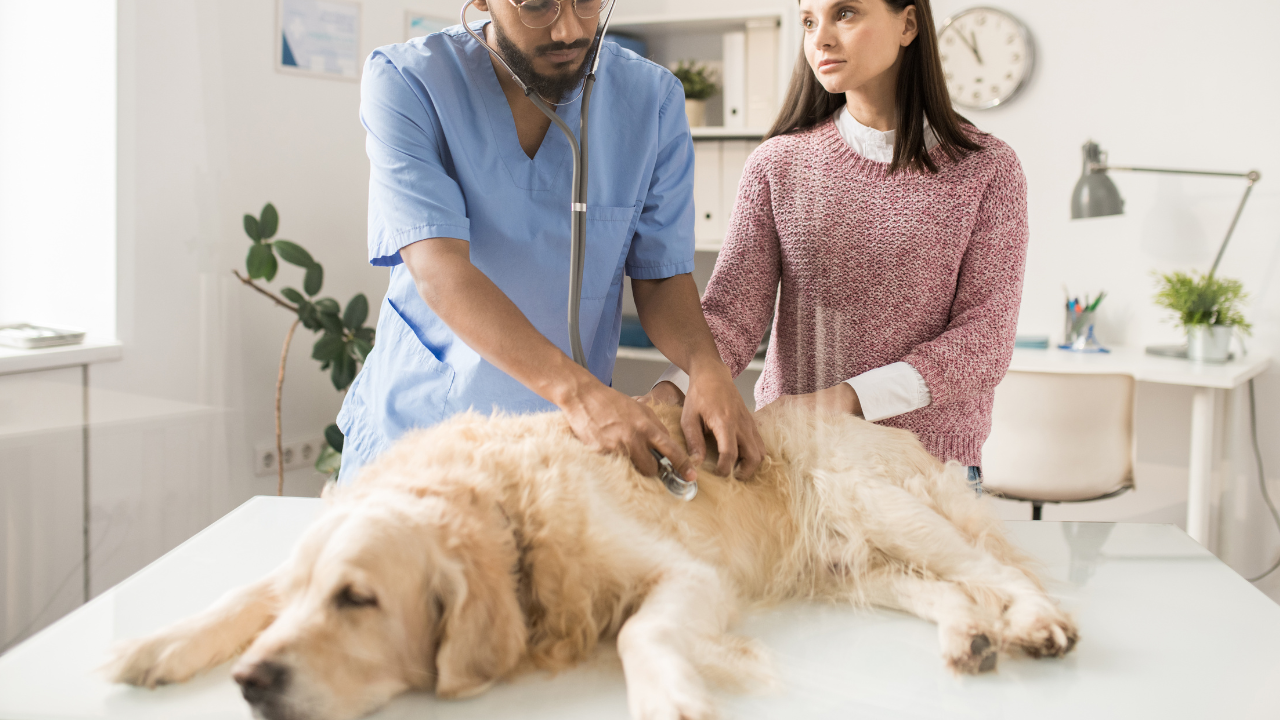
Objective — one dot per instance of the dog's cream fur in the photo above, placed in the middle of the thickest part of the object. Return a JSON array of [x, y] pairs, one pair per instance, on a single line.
[[484, 545]]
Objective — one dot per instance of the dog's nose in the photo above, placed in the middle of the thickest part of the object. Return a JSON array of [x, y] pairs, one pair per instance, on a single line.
[[261, 680]]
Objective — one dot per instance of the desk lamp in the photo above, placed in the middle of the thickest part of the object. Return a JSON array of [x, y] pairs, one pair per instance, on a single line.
[[1096, 196]]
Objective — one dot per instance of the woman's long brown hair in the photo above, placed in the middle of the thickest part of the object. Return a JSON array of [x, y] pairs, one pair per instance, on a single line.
[[921, 93]]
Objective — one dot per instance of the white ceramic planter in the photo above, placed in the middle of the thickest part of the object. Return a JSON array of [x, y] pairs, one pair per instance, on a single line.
[[1209, 343], [696, 110]]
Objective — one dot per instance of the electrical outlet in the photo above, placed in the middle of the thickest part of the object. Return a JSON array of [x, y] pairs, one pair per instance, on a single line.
[[297, 454]]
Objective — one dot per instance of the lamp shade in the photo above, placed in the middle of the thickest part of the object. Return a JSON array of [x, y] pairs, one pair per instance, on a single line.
[[1095, 195]]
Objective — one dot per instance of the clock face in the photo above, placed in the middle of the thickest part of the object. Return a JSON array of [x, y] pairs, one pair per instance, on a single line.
[[987, 56]]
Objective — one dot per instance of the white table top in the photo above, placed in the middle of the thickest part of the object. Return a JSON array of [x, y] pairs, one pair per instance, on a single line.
[[1166, 631], [1142, 367], [92, 350]]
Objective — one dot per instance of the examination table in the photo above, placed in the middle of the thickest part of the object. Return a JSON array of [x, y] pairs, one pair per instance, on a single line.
[[1166, 631]]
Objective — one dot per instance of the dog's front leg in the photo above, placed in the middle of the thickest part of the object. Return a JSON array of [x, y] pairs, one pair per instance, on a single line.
[[687, 606], [179, 651]]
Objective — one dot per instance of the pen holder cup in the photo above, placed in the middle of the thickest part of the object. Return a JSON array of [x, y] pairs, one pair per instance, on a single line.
[[1078, 332]]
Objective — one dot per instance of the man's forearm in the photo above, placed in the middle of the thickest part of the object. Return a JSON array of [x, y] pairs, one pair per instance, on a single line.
[[488, 322], [672, 318]]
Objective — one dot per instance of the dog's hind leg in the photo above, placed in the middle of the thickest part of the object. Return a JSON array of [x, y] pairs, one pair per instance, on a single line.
[[967, 631], [905, 528], [176, 653], [662, 645]]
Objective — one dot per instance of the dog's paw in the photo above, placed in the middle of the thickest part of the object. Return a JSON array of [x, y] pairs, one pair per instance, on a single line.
[[1047, 632], [154, 660], [674, 705], [971, 651]]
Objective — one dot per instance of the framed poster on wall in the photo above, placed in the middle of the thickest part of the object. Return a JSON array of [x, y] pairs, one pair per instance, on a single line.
[[417, 24], [319, 38]]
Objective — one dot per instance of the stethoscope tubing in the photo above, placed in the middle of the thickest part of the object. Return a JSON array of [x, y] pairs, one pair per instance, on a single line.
[[578, 216]]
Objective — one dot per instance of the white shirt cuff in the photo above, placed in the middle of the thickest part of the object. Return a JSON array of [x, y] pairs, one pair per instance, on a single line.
[[679, 378], [891, 390]]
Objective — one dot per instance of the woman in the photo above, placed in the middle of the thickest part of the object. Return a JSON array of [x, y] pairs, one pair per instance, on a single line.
[[897, 230]]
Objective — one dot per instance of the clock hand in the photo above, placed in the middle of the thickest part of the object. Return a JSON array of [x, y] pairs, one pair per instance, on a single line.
[[974, 47]]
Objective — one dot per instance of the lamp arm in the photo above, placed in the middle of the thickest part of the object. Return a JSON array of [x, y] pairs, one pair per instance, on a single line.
[[1239, 209], [1253, 176]]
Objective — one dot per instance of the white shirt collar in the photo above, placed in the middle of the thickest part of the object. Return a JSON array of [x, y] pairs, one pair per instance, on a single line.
[[872, 144]]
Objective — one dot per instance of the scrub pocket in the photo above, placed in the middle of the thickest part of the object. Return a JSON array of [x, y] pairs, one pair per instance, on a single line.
[[410, 388], [608, 230]]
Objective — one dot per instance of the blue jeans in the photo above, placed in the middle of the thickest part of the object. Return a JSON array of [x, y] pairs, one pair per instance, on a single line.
[[975, 478]]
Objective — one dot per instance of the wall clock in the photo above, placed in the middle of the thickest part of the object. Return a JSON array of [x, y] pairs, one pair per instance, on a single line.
[[987, 57]]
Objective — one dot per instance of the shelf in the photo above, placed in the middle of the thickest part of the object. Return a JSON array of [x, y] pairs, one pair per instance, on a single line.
[[668, 23], [724, 133], [654, 355], [708, 245], [14, 360]]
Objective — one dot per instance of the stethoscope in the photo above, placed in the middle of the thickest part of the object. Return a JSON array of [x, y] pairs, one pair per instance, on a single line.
[[675, 484]]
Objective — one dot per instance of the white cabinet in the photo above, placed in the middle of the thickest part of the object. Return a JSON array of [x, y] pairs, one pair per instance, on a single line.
[[42, 475]]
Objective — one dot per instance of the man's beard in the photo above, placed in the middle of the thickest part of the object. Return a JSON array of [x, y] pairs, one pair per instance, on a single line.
[[552, 88]]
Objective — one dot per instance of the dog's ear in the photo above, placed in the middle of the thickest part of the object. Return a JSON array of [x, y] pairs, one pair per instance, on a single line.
[[482, 634]]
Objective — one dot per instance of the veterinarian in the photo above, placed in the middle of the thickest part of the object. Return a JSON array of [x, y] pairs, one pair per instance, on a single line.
[[469, 200], [901, 230]]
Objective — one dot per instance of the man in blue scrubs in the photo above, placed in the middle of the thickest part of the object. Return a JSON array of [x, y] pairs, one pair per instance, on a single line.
[[469, 200]]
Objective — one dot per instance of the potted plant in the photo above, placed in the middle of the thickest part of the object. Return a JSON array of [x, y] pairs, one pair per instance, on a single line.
[[345, 342], [698, 86], [1208, 307]]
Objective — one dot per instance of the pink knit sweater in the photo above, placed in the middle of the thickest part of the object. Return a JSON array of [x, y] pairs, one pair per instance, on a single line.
[[916, 267]]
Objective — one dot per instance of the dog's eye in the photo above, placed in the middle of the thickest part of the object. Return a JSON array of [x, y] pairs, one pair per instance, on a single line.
[[348, 598]]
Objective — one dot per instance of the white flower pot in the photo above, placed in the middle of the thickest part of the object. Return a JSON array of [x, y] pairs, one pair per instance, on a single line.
[[696, 110], [1209, 343]]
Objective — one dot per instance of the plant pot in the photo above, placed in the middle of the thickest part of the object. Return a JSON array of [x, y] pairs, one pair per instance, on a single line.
[[696, 110], [1209, 343]]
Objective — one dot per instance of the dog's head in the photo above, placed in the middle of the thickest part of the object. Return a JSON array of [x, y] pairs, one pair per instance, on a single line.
[[391, 593]]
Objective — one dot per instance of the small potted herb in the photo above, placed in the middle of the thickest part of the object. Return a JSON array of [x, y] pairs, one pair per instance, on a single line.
[[698, 86], [1208, 307]]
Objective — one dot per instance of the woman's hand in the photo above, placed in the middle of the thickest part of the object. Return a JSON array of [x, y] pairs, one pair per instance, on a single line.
[[840, 398]]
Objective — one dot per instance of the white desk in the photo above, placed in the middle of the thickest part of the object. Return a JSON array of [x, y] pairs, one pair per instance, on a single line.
[[1167, 631], [1208, 380]]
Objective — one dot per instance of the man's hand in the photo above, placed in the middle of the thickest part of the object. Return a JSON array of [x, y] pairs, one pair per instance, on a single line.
[[840, 398], [664, 393], [610, 422], [714, 405]]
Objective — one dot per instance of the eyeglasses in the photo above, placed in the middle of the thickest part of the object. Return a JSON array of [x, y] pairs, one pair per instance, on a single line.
[[541, 13]]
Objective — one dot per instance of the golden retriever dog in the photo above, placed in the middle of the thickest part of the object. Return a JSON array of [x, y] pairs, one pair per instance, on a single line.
[[487, 545]]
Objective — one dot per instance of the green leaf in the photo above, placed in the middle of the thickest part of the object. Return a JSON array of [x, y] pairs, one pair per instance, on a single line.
[[251, 228], [261, 262], [268, 222], [328, 348], [328, 306], [362, 348], [293, 254], [310, 318], [329, 462], [314, 279], [357, 311], [343, 372], [325, 365], [333, 435], [293, 296], [365, 334]]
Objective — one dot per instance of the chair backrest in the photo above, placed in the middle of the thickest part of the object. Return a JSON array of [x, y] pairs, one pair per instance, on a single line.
[[1060, 437]]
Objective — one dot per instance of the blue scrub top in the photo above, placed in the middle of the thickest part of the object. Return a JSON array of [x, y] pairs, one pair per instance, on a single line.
[[445, 161]]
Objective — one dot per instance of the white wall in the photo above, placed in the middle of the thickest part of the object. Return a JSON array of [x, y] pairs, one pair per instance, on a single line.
[[58, 163], [1166, 84]]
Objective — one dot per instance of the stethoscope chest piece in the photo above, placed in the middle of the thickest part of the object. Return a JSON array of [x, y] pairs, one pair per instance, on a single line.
[[675, 484]]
